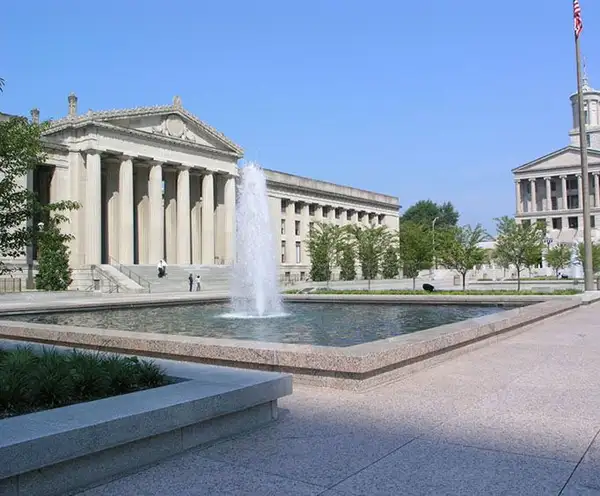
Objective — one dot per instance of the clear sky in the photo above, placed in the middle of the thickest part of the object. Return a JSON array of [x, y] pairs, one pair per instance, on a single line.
[[432, 99]]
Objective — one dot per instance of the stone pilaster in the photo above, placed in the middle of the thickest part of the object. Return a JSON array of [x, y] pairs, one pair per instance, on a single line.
[[126, 213], [290, 234], [563, 185], [93, 210], [156, 214], [519, 204], [208, 219], [183, 216]]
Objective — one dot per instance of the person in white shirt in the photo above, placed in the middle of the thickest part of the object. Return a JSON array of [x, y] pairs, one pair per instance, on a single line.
[[198, 283], [162, 268]]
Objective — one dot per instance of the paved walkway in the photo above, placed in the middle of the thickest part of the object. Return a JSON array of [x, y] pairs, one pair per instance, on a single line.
[[520, 417]]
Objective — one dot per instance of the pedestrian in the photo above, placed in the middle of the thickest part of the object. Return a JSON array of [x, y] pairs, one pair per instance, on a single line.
[[191, 280], [198, 285]]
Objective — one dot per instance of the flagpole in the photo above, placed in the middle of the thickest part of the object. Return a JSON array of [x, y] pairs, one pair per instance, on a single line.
[[587, 226]]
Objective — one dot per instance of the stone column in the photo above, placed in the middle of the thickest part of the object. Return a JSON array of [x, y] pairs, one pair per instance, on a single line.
[[155, 214], [563, 184], [126, 211], [219, 218], [208, 219], [275, 215], [183, 216], [142, 215], [532, 185], [229, 228], [77, 244], [518, 196], [113, 212], [196, 218], [290, 233], [318, 213], [93, 208], [170, 216], [579, 191], [596, 190], [548, 194]]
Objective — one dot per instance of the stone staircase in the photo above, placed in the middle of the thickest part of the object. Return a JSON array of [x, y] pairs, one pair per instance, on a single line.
[[214, 277]]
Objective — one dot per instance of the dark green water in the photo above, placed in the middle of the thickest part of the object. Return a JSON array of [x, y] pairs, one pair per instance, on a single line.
[[325, 324]]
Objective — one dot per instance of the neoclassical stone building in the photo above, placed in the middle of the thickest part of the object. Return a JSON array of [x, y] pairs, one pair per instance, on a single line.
[[549, 189], [157, 182]]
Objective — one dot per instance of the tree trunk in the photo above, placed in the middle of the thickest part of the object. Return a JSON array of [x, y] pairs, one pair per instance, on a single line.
[[414, 283], [369, 284], [464, 280], [518, 280]]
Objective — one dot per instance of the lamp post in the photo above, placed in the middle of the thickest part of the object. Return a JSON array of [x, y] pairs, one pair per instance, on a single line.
[[433, 242]]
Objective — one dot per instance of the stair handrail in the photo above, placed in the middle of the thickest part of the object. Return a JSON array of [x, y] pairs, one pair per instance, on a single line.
[[126, 271], [113, 286]]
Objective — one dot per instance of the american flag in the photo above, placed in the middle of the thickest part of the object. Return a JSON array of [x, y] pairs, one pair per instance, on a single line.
[[577, 22]]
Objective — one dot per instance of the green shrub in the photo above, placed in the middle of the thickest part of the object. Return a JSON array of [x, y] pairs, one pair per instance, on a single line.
[[32, 381]]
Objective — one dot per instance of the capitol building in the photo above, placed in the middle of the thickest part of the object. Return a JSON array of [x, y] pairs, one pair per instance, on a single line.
[[159, 183], [549, 188]]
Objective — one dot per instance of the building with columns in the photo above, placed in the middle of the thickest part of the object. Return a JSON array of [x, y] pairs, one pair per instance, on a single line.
[[157, 182], [549, 188]]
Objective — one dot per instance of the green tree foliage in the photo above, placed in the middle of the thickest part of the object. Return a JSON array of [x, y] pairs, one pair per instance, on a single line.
[[425, 211], [21, 152], [518, 244], [324, 242], [595, 256], [371, 244], [415, 249], [459, 249], [54, 273], [348, 262], [559, 257], [391, 265]]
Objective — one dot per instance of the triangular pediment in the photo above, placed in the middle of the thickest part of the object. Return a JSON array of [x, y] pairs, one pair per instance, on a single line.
[[566, 157]]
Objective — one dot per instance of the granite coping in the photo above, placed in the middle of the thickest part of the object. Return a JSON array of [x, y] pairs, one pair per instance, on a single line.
[[202, 392], [357, 362]]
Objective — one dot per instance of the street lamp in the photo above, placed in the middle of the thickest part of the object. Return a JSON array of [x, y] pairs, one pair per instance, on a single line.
[[433, 242]]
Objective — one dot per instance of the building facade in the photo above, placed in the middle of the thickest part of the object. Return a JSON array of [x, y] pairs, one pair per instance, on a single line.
[[549, 189], [157, 182]]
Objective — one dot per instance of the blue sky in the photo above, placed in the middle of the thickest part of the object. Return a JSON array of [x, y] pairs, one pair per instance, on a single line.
[[432, 99]]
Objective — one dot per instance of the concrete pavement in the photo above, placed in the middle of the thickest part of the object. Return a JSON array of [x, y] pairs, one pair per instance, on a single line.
[[520, 416]]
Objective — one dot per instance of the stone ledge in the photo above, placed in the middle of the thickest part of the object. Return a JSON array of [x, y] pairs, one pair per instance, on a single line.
[[64, 449], [349, 367]]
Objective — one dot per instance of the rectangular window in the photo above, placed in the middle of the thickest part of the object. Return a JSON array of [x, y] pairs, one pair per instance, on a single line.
[[554, 202], [311, 225], [283, 252], [557, 223], [298, 252], [282, 226], [297, 208], [573, 222], [302, 276], [573, 201], [297, 228], [348, 215], [587, 116], [338, 213], [588, 140], [283, 206], [592, 221], [311, 210]]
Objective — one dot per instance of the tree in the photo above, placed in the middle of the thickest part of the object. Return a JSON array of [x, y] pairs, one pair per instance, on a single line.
[[425, 211], [348, 263], [54, 273], [371, 244], [414, 249], [460, 250], [390, 265], [559, 257], [595, 256], [324, 243], [21, 152], [518, 244]]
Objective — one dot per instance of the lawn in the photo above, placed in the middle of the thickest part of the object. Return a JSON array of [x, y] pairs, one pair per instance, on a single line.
[[497, 292], [32, 380]]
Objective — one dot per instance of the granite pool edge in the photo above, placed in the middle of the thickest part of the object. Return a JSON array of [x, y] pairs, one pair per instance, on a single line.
[[67, 449], [345, 368]]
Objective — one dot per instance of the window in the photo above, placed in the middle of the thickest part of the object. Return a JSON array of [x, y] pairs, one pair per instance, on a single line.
[[338, 213], [592, 221], [297, 208], [302, 276], [311, 225], [573, 222], [283, 206], [588, 140], [297, 228], [282, 226], [298, 252], [573, 201], [556, 223], [311, 210], [587, 116], [283, 252], [554, 202]]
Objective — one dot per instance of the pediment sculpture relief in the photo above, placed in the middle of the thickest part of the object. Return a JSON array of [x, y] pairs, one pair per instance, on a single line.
[[175, 127]]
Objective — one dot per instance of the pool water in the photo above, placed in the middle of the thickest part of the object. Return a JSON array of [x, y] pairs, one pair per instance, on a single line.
[[324, 324]]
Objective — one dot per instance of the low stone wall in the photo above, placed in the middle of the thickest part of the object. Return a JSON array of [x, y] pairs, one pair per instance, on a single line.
[[58, 451], [355, 367]]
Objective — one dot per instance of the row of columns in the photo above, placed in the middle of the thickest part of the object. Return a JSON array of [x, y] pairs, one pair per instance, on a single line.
[[187, 235], [547, 200]]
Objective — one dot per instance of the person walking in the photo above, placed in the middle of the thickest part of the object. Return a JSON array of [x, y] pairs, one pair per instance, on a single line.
[[198, 283], [191, 280]]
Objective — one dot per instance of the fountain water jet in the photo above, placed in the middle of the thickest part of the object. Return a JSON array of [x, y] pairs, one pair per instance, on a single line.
[[255, 288]]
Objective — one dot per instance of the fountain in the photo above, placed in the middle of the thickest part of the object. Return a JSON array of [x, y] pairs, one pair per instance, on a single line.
[[255, 288]]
